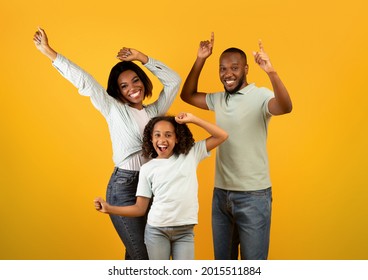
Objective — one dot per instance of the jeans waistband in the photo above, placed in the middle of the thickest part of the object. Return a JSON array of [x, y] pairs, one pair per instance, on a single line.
[[266, 190], [118, 170]]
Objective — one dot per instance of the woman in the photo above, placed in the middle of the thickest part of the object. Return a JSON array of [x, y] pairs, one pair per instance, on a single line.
[[122, 106]]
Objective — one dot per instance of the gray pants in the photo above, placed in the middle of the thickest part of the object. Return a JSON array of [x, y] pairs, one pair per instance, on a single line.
[[163, 242]]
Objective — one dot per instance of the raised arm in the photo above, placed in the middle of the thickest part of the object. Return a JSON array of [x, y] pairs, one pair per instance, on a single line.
[[218, 135], [281, 104], [83, 81], [137, 210], [129, 54], [168, 77], [42, 44], [189, 92]]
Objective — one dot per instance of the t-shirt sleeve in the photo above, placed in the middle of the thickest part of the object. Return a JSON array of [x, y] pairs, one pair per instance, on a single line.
[[210, 100], [144, 183], [200, 150], [267, 95]]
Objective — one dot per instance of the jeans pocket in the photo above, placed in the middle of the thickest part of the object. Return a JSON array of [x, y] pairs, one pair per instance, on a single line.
[[260, 193], [124, 189], [124, 181]]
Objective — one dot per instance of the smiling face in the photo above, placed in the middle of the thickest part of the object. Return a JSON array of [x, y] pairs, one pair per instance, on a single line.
[[131, 88], [164, 139], [233, 71]]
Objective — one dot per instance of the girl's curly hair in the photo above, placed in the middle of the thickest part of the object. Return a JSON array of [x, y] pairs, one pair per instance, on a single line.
[[183, 135]]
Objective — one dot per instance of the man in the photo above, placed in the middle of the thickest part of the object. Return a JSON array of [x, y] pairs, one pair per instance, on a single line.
[[241, 206]]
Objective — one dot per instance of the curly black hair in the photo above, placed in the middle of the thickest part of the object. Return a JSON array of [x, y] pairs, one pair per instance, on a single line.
[[182, 131]]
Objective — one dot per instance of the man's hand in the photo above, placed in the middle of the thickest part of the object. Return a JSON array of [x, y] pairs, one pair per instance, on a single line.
[[262, 59], [205, 47]]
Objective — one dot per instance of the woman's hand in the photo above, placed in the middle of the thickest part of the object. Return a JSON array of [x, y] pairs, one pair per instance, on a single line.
[[129, 54]]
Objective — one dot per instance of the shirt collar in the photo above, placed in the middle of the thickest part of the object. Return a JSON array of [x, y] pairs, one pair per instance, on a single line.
[[246, 89]]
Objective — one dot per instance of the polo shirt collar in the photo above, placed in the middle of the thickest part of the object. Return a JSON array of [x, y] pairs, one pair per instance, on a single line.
[[246, 89]]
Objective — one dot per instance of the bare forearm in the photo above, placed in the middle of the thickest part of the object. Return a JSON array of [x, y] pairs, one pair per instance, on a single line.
[[49, 52], [142, 58], [189, 93], [212, 129], [190, 86], [126, 211], [282, 96]]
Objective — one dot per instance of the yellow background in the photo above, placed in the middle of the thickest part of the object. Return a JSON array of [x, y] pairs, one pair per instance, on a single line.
[[56, 150]]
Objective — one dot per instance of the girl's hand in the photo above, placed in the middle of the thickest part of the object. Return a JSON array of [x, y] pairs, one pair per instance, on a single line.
[[100, 205], [184, 118]]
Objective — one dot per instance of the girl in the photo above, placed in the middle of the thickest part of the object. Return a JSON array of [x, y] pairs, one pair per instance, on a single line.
[[122, 106], [170, 178]]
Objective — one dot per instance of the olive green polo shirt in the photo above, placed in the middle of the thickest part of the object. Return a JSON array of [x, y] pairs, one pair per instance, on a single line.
[[242, 160]]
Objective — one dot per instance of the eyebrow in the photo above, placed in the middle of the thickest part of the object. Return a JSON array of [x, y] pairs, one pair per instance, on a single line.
[[123, 83], [232, 64], [167, 131]]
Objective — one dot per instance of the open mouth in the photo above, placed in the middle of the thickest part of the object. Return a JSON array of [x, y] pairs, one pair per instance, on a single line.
[[135, 94], [162, 148], [229, 82]]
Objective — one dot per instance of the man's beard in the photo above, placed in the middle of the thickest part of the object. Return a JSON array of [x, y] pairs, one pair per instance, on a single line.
[[236, 89]]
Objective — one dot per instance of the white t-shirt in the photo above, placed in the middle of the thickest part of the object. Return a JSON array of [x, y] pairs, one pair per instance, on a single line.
[[174, 186]]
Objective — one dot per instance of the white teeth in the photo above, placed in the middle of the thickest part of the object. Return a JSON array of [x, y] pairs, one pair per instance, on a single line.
[[229, 82], [134, 95], [162, 147]]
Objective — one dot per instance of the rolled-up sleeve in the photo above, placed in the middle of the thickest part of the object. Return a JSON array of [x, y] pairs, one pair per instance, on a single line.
[[171, 82]]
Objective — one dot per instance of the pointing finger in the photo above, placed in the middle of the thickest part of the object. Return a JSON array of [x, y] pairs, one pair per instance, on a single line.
[[260, 45], [41, 31]]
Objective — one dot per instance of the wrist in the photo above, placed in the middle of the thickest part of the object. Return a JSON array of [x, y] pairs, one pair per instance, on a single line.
[[201, 59], [49, 52], [106, 208], [196, 120], [143, 58], [271, 72]]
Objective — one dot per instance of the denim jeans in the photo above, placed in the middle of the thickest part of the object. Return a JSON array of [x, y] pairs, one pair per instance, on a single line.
[[163, 242], [121, 191], [241, 218]]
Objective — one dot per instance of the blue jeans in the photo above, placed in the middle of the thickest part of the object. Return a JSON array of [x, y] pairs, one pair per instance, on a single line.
[[241, 218], [163, 242], [121, 191]]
